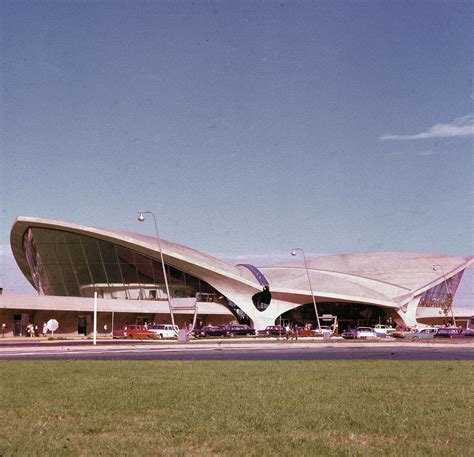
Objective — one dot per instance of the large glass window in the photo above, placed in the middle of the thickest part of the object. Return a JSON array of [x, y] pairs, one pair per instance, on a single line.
[[68, 264], [441, 295]]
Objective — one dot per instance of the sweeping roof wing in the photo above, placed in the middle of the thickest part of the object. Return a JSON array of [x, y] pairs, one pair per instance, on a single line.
[[400, 270], [373, 277]]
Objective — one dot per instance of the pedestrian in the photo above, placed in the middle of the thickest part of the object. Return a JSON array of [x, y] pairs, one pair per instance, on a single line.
[[287, 331], [45, 329], [295, 332]]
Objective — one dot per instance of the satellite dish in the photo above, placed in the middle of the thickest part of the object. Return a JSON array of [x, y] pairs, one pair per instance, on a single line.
[[52, 325]]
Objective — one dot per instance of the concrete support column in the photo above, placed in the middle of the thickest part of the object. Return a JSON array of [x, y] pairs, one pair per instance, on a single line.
[[407, 312], [260, 322]]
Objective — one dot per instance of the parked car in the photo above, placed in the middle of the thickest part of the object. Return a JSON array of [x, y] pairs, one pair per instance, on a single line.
[[164, 330], [302, 331], [239, 329], [325, 330], [449, 332], [213, 330], [349, 334], [422, 334], [273, 330], [382, 330], [400, 332], [469, 331], [366, 332], [133, 331]]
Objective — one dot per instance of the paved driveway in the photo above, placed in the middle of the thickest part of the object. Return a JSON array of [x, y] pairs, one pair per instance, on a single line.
[[239, 351]]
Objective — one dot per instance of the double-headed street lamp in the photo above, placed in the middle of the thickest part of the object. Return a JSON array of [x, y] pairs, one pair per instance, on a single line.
[[141, 218], [293, 253], [449, 305]]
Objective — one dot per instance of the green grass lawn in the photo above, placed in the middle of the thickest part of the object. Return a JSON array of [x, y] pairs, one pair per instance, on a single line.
[[234, 408]]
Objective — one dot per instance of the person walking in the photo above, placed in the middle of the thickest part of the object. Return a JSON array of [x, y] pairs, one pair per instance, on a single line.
[[295, 332]]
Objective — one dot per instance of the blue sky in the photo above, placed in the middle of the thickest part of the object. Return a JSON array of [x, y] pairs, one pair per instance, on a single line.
[[248, 127]]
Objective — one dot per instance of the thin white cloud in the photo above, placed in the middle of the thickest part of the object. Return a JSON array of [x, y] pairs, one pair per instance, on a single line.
[[462, 126]]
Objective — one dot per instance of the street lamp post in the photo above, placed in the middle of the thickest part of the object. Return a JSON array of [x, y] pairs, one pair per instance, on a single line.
[[141, 218], [448, 291], [293, 253]]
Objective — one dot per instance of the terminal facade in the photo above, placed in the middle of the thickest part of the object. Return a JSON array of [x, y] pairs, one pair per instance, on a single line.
[[67, 263]]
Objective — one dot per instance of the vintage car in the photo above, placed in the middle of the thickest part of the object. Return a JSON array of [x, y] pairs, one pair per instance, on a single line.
[[400, 332], [302, 331], [164, 330], [323, 330], [423, 334], [273, 330], [382, 330], [469, 331], [449, 332], [213, 330], [239, 329], [133, 331], [366, 332], [349, 334]]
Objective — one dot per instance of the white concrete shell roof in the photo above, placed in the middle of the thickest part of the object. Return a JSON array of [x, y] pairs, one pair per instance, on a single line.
[[373, 277], [386, 279], [177, 255]]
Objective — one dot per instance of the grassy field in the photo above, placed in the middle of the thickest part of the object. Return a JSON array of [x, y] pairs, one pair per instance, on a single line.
[[342, 408]]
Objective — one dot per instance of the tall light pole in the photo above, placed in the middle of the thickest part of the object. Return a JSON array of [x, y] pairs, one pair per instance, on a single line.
[[293, 253], [141, 218], [448, 291]]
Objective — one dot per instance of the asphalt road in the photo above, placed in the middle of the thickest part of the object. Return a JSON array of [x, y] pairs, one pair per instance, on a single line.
[[248, 352]]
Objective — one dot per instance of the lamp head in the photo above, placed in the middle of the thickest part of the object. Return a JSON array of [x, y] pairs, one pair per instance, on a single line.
[[141, 217], [293, 252]]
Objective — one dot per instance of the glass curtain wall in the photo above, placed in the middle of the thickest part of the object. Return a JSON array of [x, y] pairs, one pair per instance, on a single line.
[[441, 295], [68, 264]]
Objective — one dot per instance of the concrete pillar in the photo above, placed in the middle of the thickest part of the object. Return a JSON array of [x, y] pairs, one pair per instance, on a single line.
[[407, 312], [260, 322]]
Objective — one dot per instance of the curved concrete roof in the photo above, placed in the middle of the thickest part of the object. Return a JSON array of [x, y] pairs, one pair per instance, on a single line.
[[383, 278], [177, 255], [406, 269]]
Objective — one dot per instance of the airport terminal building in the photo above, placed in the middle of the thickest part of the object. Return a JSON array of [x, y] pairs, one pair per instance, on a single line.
[[66, 263]]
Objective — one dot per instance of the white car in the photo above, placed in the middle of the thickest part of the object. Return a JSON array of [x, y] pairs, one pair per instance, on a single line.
[[325, 330], [384, 330], [164, 330], [366, 332]]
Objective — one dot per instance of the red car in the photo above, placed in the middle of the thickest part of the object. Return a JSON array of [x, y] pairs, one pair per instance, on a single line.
[[304, 331], [133, 331]]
